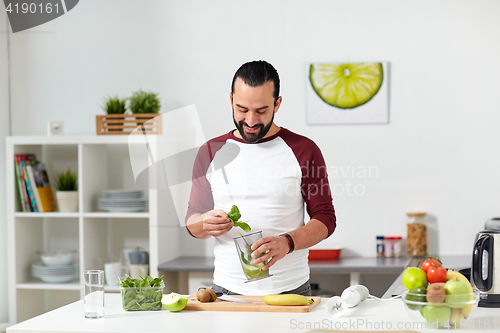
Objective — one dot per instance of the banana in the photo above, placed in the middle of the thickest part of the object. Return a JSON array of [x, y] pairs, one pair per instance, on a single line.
[[450, 275], [467, 309], [456, 316], [286, 299]]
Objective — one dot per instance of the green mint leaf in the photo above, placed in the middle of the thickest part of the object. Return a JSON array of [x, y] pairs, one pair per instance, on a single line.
[[234, 215], [243, 226]]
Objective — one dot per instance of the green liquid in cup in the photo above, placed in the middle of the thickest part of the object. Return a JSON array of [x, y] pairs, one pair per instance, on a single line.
[[254, 271], [244, 248]]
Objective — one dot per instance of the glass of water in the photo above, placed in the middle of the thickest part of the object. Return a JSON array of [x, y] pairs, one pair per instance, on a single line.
[[93, 301]]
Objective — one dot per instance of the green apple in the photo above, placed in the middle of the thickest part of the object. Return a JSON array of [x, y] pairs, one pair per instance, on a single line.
[[457, 293], [436, 315], [414, 277], [416, 295], [174, 302]]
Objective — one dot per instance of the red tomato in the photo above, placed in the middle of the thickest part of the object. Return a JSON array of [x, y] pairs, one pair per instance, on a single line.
[[436, 274], [430, 263]]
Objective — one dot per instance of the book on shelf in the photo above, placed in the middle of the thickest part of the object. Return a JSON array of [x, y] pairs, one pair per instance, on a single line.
[[31, 195], [21, 185], [40, 186], [43, 188], [32, 182], [35, 192]]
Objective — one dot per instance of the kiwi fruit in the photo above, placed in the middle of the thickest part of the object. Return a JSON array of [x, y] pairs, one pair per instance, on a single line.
[[212, 293], [203, 295], [436, 293]]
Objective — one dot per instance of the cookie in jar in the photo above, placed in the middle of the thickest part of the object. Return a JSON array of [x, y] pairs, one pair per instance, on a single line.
[[417, 234]]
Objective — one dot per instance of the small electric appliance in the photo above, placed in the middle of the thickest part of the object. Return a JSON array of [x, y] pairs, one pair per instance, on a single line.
[[485, 271]]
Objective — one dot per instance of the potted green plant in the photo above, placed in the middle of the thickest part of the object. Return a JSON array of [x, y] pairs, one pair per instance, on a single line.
[[145, 107], [144, 102], [115, 105], [66, 185]]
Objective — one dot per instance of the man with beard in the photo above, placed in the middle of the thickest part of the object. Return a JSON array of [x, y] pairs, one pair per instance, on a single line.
[[269, 172]]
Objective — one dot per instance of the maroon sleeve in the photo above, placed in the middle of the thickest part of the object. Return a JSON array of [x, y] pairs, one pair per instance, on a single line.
[[315, 186], [200, 198]]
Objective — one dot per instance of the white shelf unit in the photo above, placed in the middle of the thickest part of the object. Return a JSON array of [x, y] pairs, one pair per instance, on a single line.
[[102, 163]]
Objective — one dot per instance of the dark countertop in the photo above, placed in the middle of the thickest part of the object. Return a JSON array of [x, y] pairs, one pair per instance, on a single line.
[[359, 265], [190, 264], [339, 266], [369, 265]]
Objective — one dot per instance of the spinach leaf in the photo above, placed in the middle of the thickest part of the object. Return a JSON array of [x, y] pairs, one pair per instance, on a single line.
[[142, 294], [234, 215], [250, 251], [242, 254], [243, 226]]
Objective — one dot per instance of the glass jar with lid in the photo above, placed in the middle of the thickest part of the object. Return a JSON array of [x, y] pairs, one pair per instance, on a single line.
[[380, 246], [417, 234], [396, 248], [392, 247]]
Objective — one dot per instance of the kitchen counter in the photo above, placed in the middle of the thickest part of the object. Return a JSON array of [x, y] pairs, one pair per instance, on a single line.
[[351, 266], [342, 265], [382, 315], [372, 314]]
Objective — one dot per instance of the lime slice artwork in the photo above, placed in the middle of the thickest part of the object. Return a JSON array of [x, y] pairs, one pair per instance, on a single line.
[[346, 86], [347, 93]]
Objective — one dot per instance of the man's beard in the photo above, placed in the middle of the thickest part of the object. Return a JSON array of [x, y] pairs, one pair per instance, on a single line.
[[253, 137]]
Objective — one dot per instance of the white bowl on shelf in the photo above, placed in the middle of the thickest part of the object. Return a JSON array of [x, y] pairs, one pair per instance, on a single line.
[[57, 258]]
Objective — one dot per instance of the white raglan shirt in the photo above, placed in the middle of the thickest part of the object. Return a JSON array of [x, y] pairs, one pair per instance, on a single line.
[[266, 181]]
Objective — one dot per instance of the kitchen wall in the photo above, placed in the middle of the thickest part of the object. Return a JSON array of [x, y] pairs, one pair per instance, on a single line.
[[4, 131], [438, 153]]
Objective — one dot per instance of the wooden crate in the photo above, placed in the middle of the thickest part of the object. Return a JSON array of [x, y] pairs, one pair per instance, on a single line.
[[138, 123]]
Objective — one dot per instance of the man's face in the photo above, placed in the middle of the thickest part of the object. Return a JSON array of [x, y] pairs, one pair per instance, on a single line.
[[253, 109]]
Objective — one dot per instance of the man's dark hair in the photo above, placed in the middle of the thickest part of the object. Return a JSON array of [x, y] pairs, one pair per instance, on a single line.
[[256, 73]]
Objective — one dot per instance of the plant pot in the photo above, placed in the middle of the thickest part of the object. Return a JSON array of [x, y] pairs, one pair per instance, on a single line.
[[127, 123], [67, 201]]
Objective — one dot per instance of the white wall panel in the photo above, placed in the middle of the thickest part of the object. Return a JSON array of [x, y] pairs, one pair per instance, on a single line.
[[4, 131], [438, 153]]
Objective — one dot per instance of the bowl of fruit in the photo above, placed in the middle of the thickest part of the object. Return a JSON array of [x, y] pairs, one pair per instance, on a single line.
[[438, 298]]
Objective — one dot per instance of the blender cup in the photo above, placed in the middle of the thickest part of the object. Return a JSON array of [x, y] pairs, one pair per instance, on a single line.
[[243, 247]]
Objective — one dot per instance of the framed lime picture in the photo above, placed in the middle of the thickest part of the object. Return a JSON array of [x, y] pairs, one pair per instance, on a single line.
[[347, 93]]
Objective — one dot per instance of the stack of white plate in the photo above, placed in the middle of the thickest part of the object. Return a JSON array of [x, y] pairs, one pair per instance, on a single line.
[[55, 274], [123, 201]]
